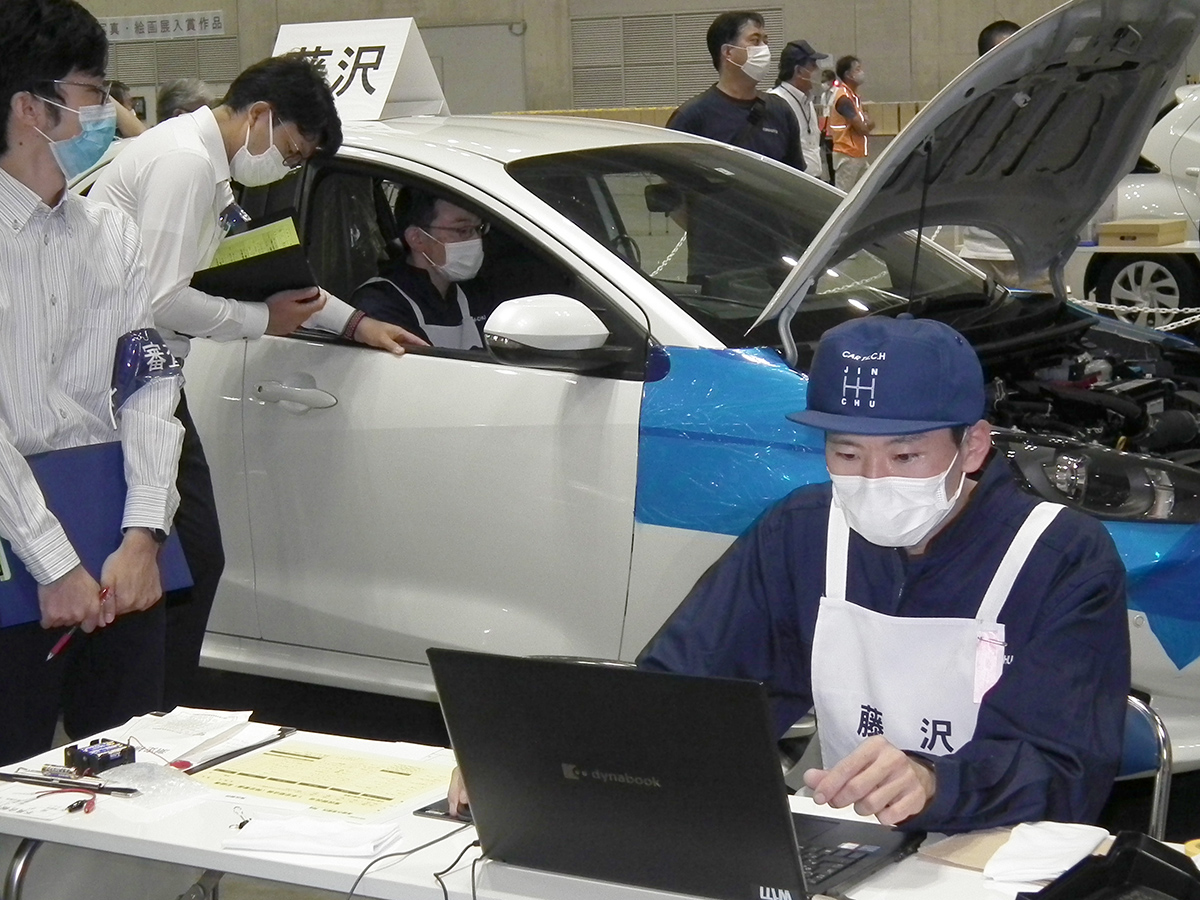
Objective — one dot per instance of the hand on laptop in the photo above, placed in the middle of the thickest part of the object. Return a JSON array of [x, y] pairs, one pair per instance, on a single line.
[[878, 778], [457, 795]]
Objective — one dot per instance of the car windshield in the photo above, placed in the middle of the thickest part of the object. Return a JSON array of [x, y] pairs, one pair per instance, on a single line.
[[718, 230]]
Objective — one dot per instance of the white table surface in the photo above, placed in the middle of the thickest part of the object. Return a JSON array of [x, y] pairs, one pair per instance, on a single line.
[[193, 837]]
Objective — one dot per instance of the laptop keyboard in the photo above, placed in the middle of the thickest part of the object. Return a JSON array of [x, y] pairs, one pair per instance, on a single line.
[[820, 863]]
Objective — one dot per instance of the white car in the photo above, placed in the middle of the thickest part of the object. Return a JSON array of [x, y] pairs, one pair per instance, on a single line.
[[1151, 284], [560, 492]]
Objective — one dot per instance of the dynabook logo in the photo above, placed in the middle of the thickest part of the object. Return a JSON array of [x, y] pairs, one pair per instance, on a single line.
[[766, 893], [579, 773]]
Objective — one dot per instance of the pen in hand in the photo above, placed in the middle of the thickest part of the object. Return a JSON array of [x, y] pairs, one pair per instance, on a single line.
[[62, 642]]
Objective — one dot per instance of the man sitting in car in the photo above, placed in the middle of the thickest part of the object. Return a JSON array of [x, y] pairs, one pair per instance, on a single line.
[[426, 291]]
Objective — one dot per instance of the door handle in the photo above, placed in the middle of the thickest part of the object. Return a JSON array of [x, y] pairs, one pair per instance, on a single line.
[[305, 398]]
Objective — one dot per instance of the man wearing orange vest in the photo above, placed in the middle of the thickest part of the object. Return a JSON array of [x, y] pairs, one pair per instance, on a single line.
[[848, 125]]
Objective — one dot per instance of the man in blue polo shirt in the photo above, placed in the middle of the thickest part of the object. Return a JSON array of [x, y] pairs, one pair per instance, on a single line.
[[964, 646]]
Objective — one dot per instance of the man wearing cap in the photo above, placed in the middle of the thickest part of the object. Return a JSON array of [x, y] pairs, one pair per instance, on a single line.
[[798, 67], [964, 645]]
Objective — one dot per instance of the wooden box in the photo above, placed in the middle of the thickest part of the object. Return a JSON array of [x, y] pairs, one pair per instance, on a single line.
[[1141, 232]]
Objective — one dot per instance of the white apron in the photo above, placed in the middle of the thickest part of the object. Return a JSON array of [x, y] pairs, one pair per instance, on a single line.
[[916, 681], [464, 336]]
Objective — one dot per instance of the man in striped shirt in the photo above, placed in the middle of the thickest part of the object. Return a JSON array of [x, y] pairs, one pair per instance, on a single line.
[[72, 284]]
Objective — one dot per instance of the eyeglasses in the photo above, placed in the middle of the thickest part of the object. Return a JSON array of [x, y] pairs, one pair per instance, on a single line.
[[295, 156], [464, 232], [101, 91]]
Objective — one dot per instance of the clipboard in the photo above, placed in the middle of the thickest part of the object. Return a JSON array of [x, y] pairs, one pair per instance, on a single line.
[[85, 489], [255, 264]]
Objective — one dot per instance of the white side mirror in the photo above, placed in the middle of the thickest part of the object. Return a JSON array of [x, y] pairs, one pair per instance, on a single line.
[[549, 322]]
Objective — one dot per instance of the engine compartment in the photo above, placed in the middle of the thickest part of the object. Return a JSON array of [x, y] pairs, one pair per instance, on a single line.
[[1090, 412]]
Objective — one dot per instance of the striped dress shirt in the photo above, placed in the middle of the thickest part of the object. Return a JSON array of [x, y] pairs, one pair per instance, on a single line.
[[71, 283]]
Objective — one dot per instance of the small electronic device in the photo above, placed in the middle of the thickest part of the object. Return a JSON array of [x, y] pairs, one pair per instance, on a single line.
[[441, 810], [98, 756]]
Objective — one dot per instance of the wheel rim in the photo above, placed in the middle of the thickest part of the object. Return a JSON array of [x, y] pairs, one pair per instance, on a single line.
[[1150, 292]]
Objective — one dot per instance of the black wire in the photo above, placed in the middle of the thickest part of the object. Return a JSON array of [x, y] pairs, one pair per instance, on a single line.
[[474, 863], [399, 853], [912, 285], [438, 875]]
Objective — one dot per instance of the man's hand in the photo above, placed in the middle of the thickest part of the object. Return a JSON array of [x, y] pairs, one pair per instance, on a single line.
[[288, 310], [386, 336], [879, 779], [131, 573], [457, 795], [74, 599]]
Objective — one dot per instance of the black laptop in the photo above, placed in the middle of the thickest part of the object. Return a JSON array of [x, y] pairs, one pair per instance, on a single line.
[[662, 781]]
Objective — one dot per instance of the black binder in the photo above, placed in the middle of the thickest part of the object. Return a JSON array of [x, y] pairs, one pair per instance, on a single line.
[[242, 271]]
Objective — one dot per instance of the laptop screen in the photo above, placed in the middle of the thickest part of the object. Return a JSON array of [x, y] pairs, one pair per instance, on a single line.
[[663, 781]]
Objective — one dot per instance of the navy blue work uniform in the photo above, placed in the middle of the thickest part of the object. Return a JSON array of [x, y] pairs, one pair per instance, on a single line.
[[1047, 742]]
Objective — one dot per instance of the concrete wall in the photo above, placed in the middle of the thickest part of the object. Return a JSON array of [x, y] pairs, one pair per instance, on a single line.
[[909, 48]]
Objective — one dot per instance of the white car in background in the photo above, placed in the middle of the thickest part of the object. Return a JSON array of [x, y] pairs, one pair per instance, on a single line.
[[560, 492], [1151, 284]]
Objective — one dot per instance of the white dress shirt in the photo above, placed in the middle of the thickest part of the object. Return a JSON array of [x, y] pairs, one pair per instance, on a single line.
[[174, 180], [71, 283], [810, 128]]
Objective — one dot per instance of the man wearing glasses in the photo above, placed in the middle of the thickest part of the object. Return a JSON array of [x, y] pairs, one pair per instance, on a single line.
[[72, 291], [175, 181], [431, 291]]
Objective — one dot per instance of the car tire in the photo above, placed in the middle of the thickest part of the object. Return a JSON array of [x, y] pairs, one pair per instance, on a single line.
[[1152, 287]]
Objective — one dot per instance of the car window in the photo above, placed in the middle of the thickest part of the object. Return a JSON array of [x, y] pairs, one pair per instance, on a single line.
[[718, 230], [351, 234]]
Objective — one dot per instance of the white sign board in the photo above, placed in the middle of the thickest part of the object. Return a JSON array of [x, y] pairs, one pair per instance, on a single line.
[[377, 68]]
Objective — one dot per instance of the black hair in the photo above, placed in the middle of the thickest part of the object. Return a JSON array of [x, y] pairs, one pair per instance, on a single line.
[[844, 65], [415, 207], [296, 89], [42, 41], [121, 92], [184, 95], [725, 29], [996, 33]]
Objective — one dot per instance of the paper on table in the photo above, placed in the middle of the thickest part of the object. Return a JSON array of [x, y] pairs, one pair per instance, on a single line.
[[324, 837], [328, 779], [1041, 850], [181, 732]]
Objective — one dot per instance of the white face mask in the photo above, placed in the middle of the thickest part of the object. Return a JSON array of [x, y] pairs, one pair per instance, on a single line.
[[895, 511], [255, 170], [758, 61], [463, 259]]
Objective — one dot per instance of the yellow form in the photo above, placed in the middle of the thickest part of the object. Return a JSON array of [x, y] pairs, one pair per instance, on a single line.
[[256, 242], [328, 779]]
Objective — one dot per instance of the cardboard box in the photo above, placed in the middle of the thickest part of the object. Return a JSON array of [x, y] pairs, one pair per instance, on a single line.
[[1141, 232], [886, 117]]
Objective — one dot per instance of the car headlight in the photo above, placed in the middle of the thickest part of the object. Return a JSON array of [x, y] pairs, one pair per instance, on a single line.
[[1106, 483]]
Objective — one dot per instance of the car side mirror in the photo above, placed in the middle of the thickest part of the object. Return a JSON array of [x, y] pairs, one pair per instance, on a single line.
[[550, 331]]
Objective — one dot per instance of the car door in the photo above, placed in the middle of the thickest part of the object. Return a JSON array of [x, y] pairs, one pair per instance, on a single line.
[[438, 498]]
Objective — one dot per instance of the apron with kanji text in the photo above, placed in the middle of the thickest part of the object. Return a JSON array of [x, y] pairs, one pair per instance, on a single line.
[[916, 681]]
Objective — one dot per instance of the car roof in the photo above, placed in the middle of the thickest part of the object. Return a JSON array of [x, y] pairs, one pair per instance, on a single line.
[[502, 138]]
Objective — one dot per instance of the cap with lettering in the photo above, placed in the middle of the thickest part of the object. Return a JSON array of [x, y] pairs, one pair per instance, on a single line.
[[879, 375]]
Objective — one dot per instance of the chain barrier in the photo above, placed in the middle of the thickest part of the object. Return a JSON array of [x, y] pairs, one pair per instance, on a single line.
[[1192, 313]]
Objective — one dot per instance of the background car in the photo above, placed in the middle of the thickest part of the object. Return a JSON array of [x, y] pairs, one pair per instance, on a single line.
[[1152, 283]]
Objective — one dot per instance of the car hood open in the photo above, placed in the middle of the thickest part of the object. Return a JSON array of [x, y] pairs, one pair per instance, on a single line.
[[1025, 143]]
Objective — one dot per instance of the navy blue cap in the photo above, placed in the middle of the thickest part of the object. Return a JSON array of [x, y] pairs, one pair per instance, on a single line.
[[879, 375]]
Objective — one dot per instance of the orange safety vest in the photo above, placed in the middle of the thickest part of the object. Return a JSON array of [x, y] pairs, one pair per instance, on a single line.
[[845, 139]]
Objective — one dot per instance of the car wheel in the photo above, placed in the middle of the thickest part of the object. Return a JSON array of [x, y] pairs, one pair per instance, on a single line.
[[1151, 288]]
